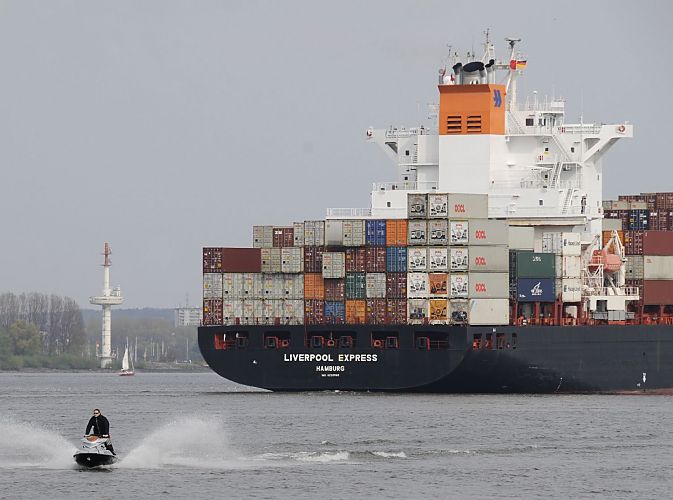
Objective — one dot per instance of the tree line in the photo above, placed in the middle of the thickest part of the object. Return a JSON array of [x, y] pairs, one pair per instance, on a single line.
[[33, 324]]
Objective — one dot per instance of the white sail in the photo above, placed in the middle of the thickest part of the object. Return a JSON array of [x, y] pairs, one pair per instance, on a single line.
[[125, 360]]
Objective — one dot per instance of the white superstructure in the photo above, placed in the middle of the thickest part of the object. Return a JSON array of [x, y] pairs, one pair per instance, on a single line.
[[110, 297], [538, 170]]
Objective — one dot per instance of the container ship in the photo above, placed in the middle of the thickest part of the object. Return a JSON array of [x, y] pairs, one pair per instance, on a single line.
[[491, 265]]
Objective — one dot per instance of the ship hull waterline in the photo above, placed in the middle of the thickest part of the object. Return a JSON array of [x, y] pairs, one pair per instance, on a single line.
[[530, 359]]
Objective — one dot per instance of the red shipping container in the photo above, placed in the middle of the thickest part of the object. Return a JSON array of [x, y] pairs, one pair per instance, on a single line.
[[396, 311], [212, 312], [376, 260], [396, 286], [376, 312], [335, 289], [283, 236], [664, 201], [657, 243], [212, 260], [313, 259], [633, 242], [657, 292], [314, 312], [356, 260], [241, 260]]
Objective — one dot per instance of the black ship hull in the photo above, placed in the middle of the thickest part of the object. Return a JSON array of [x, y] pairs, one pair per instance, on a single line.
[[451, 359]]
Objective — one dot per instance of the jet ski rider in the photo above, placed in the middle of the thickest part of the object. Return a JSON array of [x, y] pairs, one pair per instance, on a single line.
[[100, 426]]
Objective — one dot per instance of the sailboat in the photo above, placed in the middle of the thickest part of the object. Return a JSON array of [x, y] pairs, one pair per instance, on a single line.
[[127, 363]]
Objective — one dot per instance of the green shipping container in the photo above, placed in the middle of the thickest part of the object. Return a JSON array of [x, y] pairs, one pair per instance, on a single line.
[[356, 286], [535, 265]]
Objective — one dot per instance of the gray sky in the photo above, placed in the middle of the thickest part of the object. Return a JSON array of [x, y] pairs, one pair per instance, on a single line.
[[165, 126]]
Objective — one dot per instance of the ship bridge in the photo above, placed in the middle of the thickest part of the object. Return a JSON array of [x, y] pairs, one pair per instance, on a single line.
[[536, 168]]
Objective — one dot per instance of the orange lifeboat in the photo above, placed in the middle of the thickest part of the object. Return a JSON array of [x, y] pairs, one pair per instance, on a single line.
[[611, 262]]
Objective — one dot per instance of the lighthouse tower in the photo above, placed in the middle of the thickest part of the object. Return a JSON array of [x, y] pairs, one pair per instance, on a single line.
[[109, 298]]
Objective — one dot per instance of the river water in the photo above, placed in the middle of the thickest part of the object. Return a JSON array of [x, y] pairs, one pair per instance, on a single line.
[[196, 435]]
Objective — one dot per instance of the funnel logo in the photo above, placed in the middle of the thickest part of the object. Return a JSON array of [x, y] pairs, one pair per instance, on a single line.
[[497, 98], [536, 291]]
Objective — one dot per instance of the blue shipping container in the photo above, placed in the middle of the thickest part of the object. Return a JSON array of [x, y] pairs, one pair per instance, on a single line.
[[536, 290], [375, 233], [335, 312], [396, 259]]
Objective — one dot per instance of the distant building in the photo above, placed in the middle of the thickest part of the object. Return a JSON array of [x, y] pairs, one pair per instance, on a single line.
[[188, 316]]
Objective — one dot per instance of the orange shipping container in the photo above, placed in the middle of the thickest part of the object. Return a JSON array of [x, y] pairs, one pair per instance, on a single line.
[[396, 232], [314, 286], [355, 311], [438, 309], [438, 283]]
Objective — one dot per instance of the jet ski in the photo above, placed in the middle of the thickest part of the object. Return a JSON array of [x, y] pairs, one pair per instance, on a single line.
[[94, 452]]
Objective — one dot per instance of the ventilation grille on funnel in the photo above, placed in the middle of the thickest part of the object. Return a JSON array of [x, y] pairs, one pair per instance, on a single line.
[[457, 124]]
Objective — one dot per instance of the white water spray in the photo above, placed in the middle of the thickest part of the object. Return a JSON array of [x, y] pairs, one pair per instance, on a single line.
[[23, 445]]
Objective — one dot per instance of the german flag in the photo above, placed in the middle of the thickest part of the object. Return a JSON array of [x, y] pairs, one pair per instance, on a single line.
[[520, 64]]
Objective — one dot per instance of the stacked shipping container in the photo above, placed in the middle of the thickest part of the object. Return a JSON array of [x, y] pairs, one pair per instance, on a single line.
[[647, 235], [446, 263]]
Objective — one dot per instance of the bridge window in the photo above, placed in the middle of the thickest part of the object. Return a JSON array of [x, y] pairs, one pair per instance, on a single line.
[[530, 122]]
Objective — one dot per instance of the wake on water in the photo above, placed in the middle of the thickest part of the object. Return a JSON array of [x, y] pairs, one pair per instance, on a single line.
[[189, 442], [22, 445]]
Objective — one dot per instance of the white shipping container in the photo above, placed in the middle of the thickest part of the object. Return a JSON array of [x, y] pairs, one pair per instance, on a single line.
[[417, 311], [293, 312], [298, 231], [635, 267], [258, 285], [212, 285], [248, 312], [417, 259], [489, 232], [353, 233], [258, 311], [438, 259], [292, 260], [458, 285], [376, 285], [568, 266], [229, 283], [273, 286], [314, 233], [488, 286], [271, 260], [612, 224], [562, 243], [658, 267], [438, 232], [247, 285], [570, 289], [418, 232], [468, 206], [459, 258], [489, 258], [417, 285], [458, 311], [417, 206], [438, 206], [488, 312], [262, 236], [459, 232], [333, 232], [237, 288], [273, 311], [293, 286], [229, 312], [521, 238], [334, 265]]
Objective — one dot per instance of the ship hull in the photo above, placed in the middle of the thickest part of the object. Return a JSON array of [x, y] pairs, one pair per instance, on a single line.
[[466, 359]]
